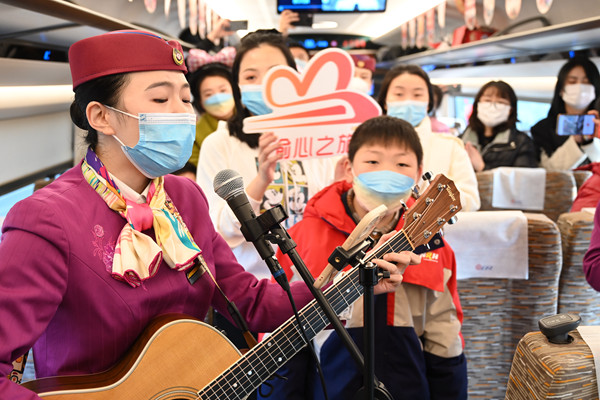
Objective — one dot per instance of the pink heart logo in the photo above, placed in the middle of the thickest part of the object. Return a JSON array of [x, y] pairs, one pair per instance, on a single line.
[[319, 97]]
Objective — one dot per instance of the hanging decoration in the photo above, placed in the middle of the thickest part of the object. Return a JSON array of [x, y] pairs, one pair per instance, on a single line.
[[404, 29], [441, 14], [421, 31], [412, 32], [488, 11], [513, 8], [215, 21], [150, 5], [202, 19], [470, 14], [208, 18], [543, 5], [430, 22], [193, 17], [181, 11], [167, 7]]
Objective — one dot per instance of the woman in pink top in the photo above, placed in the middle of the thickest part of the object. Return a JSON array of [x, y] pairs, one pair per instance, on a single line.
[[87, 262]]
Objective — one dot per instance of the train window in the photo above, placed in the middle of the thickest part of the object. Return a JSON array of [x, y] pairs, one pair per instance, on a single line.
[[463, 106], [530, 113], [10, 199]]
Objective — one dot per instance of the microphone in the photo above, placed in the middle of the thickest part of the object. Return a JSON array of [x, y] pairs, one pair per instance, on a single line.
[[229, 185]]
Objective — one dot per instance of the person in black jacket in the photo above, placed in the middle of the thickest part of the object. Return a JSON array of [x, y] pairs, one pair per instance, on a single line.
[[577, 88], [492, 139]]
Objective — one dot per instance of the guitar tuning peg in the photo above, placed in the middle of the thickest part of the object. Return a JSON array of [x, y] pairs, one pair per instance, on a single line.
[[415, 191], [452, 220], [403, 206], [427, 176]]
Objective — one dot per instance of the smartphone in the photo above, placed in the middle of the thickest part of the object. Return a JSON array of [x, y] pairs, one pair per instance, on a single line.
[[237, 25], [575, 124], [306, 19]]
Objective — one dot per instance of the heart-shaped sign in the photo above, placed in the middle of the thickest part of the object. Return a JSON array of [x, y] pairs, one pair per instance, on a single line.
[[314, 105]]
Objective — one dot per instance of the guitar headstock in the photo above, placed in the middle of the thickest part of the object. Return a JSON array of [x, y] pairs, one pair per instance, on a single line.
[[435, 207]]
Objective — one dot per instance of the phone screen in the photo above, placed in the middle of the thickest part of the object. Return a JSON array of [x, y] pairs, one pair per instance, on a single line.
[[237, 25], [575, 125]]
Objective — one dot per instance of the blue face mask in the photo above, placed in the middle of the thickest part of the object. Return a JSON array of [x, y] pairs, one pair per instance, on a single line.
[[252, 98], [382, 187], [411, 111], [165, 142]]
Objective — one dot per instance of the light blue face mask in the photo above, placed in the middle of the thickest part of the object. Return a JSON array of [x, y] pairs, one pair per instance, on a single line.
[[409, 110], [218, 98], [252, 98], [382, 187], [165, 142]]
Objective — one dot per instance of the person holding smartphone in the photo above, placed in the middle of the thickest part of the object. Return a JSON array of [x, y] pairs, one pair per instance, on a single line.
[[577, 88], [492, 139]]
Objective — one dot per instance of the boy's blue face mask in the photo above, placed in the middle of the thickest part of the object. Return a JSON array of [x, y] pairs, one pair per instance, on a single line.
[[252, 98], [382, 187], [409, 110], [165, 142]]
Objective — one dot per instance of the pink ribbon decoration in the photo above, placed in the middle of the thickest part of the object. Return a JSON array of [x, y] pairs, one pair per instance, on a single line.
[[197, 58]]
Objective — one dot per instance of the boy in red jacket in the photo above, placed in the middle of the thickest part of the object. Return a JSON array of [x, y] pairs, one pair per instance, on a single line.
[[418, 344]]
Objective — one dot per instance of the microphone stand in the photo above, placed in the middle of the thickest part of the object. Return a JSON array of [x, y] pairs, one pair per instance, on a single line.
[[271, 220]]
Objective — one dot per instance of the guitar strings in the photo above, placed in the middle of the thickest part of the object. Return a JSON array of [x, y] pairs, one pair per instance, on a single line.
[[309, 312], [290, 340]]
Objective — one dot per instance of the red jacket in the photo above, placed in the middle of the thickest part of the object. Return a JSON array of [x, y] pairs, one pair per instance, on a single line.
[[326, 225], [588, 194]]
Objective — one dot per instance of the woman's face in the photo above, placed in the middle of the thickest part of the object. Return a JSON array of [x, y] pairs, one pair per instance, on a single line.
[[212, 85], [257, 62], [576, 75], [150, 92], [492, 95], [407, 87]]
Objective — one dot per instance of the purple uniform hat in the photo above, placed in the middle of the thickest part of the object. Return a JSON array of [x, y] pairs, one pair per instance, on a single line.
[[364, 61], [123, 51]]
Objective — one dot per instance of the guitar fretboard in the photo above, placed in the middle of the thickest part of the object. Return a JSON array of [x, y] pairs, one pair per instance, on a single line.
[[263, 360]]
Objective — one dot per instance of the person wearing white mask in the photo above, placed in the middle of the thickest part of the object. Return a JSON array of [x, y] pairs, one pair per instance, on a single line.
[[257, 157], [577, 89], [364, 68], [407, 93], [492, 139], [212, 98], [301, 55]]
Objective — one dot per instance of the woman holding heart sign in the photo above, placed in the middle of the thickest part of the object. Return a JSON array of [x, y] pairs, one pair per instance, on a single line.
[[269, 180]]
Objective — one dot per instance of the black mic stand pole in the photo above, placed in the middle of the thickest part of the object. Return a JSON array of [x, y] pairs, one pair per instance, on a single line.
[[271, 219], [369, 276]]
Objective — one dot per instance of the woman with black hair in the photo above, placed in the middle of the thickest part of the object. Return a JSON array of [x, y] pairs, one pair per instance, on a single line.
[[407, 93], [116, 241], [492, 139], [577, 88], [212, 98], [257, 157]]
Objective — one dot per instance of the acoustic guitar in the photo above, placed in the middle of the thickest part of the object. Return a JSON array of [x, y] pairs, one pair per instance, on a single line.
[[163, 366]]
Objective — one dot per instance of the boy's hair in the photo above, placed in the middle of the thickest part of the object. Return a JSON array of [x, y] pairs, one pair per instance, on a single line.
[[386, 131]]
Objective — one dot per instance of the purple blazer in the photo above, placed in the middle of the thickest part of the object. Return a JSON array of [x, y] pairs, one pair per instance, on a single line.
[[591, 260], [57, 295]]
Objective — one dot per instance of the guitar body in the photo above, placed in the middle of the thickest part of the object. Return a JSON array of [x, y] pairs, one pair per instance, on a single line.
[[175, 357], [181, 358]]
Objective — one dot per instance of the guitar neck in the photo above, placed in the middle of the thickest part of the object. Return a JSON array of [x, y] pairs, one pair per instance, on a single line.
[[263, 360]]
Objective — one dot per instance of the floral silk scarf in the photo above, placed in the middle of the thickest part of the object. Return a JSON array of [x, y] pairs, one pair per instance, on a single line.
[[137, 257]]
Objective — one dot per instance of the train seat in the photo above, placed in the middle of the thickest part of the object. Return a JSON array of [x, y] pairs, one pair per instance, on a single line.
[[575, 295], [498, 312], [544, 370], [580, 177], [560, 190]]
